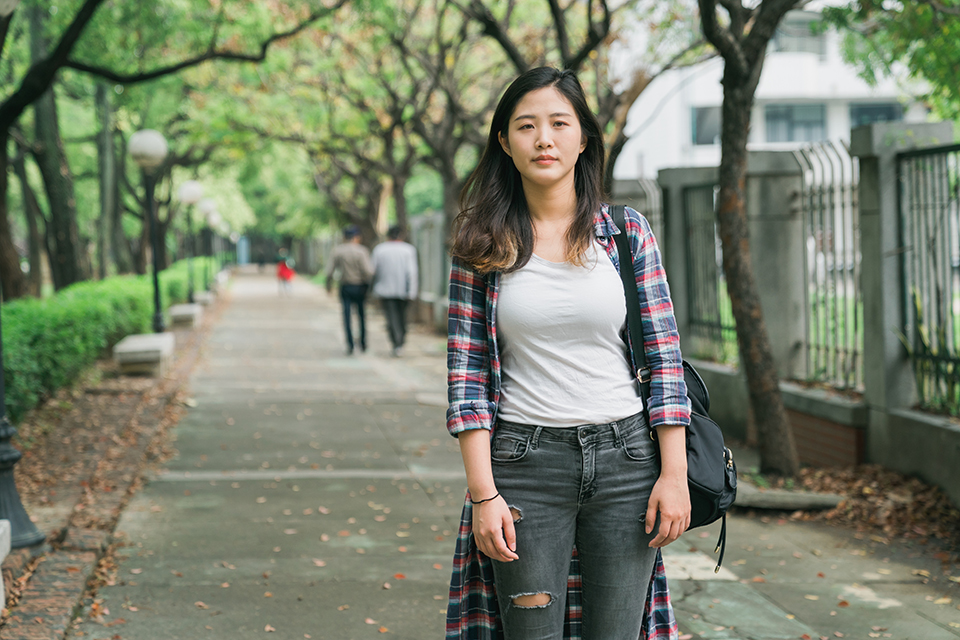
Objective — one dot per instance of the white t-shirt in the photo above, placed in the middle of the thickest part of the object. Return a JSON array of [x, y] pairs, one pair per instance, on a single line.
[[563, 360]]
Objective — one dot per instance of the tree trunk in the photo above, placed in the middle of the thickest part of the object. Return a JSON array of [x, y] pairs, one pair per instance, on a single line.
[[31, 212], [778, 453], [612, 156], [119, 245], [107, 161], [66, 262], [12, 280], [400, 200]]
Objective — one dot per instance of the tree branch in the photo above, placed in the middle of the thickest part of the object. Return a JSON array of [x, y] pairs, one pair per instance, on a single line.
[[210, 54], [721, 38], [479, 12], [595, 35], [40, 76], [768, 16], [560, 24], [4, 27], [936, 6]]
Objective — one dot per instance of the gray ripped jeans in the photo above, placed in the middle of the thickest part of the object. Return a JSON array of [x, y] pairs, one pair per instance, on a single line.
[[586, 486]]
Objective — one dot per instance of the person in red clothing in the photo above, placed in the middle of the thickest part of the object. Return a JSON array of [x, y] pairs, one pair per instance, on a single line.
[[285, 273]]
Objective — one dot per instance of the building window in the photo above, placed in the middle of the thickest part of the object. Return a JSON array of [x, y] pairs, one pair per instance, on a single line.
[[861, 114], [796, 123], [796, 35], [706, 125]]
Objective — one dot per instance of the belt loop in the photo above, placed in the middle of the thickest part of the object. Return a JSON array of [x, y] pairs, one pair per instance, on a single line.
[[617, 438], [535, 440]]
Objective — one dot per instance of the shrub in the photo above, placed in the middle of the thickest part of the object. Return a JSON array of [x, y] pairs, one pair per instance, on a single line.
[[48, 343]]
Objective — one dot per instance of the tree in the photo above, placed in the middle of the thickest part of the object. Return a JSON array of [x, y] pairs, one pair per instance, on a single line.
[[741, 39], [923, 35], [255, 19]]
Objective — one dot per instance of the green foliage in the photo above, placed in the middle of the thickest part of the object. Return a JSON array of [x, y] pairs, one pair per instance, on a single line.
[[913, 33], [47, 343]]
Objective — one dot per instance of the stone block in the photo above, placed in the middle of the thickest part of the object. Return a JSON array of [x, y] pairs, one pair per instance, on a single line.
[[4, 551], [204, 297], [145, 353], [186, 315]]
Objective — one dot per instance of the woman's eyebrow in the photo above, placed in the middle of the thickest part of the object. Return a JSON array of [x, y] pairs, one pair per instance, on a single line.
[[559, 114]]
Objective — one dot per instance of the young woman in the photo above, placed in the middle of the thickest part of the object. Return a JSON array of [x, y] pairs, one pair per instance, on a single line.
[[568, 500]]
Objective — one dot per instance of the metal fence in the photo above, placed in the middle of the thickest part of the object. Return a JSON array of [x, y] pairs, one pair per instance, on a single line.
[[832, 259], [929, 203], [710, 313]]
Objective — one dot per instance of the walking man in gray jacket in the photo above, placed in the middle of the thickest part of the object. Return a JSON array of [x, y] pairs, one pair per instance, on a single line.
[[395, 282], [351, 261]]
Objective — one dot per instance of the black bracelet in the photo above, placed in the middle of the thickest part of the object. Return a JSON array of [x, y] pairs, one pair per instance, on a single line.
[[487, 500]]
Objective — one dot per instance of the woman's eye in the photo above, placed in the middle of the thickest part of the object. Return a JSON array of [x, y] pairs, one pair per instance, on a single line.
[[559, 123], [526, 126]]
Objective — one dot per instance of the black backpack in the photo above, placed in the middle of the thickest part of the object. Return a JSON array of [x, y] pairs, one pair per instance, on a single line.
[[711, 472]]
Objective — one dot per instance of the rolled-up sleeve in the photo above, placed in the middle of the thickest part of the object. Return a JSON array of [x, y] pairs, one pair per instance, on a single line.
[[468, 353], [668, 402]]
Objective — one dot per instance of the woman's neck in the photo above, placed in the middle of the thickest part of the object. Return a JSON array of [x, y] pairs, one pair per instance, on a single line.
[[552, 204]]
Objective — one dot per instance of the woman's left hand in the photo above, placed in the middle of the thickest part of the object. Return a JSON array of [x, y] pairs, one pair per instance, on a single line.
[[671, 499]]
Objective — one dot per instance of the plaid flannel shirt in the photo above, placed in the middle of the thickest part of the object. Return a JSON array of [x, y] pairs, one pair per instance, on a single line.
[[473, 389]]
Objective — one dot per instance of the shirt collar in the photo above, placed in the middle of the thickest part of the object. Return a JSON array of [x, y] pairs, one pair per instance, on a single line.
[[603, 224]]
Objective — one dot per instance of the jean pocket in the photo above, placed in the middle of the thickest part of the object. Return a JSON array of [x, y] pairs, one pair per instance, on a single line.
[[508, 447], [638, 445]]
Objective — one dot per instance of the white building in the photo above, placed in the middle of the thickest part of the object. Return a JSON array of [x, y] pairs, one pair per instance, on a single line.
[[807, 93]]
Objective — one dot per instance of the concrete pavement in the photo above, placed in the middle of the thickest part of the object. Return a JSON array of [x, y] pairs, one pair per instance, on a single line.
[[317, 495]]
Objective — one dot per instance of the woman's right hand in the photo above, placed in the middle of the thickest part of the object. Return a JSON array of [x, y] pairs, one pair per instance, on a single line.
[[493, 530]]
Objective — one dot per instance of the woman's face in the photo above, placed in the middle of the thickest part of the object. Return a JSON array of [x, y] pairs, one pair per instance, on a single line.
[[544, 138]]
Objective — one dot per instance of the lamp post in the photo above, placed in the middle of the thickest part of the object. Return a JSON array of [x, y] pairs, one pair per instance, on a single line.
[[213, 222], [207, 206], [148, 148], [190, 193], [23, 533]]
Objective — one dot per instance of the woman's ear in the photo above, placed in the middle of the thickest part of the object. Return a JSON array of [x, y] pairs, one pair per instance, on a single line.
[[504, 144], [583, 144]]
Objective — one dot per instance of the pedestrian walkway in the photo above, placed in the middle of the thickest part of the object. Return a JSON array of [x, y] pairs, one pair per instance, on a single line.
[[317, 495]]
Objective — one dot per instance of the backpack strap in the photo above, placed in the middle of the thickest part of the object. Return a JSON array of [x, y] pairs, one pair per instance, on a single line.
[[634, 324]]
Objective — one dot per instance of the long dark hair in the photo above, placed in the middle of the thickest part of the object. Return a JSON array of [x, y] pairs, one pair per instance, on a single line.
[[493, 231]]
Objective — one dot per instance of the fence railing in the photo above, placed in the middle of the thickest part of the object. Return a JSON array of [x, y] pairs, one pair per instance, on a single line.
[[832, 261], [929, 206], [710, 314]]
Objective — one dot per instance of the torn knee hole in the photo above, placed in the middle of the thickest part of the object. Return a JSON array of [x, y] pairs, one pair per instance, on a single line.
[[516, 513], [533, 600]]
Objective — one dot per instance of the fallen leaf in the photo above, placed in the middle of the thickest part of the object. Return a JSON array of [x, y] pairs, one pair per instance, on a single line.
[[269, 629], [200, 605], [323, 510], [134, 609], [811, 597], [261, 500], [290, 532], [399, 576], [267, 594], [383, 629], [177, 573], [386, 585], [225, 585], [438, 566], [402, 549], [343, 607], [953, 578], [921, 572], [370, 621], [136, 571], [759, 579], [843, 603], [318, 562], [343, 533], [943, 600]]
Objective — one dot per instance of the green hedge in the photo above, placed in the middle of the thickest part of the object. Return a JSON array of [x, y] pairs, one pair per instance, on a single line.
[[47, 343]]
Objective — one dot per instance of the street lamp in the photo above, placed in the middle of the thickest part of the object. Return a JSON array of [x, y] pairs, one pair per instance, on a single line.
[[23, 533], [190, 193], [207, 207], [148, 148]]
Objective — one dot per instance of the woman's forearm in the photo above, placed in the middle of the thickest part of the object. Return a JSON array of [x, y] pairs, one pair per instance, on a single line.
[[475, 449], [673, 450]]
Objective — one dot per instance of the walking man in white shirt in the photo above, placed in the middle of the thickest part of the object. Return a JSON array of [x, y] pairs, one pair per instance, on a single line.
[[395, 282]]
